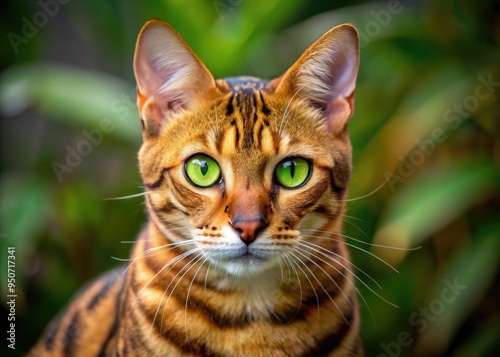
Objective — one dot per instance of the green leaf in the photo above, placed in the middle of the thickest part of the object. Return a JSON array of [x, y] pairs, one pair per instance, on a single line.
[[426, 204], [75, 97], [473, 270], [23, 212]]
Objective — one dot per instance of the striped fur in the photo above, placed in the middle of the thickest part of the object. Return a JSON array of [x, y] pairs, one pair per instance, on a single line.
[[194, 286]]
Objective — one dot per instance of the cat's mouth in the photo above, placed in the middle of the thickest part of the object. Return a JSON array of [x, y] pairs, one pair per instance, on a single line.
[[244, 262], [243, 257]]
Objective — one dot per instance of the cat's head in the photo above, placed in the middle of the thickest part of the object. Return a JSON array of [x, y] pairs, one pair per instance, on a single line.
[[242, 169]]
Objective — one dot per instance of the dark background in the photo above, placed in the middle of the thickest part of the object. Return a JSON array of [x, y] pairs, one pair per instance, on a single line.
[[426, 121]]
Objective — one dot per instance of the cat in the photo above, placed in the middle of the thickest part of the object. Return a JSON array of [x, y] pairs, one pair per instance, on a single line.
[[245, 185]]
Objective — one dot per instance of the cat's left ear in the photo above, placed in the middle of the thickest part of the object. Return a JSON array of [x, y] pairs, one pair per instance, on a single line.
[[325, 75], [170, 77]]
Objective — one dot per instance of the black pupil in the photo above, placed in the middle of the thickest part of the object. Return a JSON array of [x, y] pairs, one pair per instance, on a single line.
[[292, 168], [204, 167]]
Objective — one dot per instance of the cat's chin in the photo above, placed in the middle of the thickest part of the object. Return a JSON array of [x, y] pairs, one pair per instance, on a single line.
[[247, 266]]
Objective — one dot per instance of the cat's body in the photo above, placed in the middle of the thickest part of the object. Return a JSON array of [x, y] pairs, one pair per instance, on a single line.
[[246, 180]]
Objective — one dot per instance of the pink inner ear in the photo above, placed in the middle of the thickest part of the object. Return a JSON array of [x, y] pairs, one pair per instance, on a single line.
[[174, 105], [160, 79], [169, 75], [340, 102], [338, 112], [328, 74], [343, 73]]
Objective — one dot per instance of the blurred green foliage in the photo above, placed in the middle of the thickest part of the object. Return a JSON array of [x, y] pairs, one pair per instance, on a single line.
[[427, 124]]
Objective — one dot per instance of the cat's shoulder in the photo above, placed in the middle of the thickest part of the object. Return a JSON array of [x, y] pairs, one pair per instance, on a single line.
[[94, 308]]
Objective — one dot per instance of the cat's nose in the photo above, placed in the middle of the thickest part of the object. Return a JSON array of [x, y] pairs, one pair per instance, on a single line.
[[248, 229]]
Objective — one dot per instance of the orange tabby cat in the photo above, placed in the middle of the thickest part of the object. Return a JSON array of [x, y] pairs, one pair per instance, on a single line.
[[245, 184]]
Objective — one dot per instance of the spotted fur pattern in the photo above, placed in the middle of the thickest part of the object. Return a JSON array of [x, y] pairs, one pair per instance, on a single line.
[[195, 286]]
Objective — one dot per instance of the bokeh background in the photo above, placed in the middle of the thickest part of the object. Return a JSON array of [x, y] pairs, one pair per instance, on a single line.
[[427, 123]]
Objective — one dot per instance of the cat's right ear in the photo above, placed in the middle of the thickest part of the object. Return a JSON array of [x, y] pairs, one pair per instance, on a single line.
[[325, 76], [170, 77]]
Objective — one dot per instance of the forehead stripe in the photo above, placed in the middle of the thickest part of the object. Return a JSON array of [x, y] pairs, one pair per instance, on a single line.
[[230, 107]]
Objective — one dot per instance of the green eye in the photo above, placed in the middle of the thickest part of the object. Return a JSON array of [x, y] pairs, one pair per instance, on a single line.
[[293, 172], [202, 170]]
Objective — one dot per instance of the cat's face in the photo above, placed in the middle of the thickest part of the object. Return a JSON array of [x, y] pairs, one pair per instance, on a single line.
[[244, 171]]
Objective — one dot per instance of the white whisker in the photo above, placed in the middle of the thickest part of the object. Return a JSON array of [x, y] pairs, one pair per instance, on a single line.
[[206, 275], [148, 252], [174, 261], [296, 249], [353, 217], [189, 290], [189, 265], [120, 259], [345, 259], [135, 241], [368, 194], [355, 226], [362, 242], [126, 197], [164, 230], [278, 258], [290, 262], [360, 280], [158, 250], [309, 280], [286, 112], [356, 247]]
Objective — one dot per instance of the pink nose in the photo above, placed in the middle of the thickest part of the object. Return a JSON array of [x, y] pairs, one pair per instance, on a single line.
[[248, 230]]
